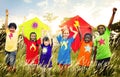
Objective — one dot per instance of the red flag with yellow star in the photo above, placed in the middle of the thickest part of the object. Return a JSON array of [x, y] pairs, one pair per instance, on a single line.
[[83, 26]]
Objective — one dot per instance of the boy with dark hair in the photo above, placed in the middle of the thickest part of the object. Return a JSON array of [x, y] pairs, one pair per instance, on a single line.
[[11, 44], [102, 51]]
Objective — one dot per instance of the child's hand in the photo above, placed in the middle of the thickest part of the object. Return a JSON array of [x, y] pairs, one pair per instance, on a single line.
[[7, 13], [114, 10], [71, 29]]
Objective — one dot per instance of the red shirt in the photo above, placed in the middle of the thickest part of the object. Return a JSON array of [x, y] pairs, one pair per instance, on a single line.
[[32, 51]]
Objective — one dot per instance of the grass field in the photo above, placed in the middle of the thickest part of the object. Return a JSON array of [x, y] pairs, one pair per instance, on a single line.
[[23, 70]]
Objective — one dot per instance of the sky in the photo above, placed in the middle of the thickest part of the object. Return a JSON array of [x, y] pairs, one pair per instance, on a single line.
[[94, 12]]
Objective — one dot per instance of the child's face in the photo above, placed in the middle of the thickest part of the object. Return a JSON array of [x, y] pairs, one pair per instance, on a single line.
[[65, 34], [46, 43], [12, 29], [101, 30], [87, 38], [33, 37]]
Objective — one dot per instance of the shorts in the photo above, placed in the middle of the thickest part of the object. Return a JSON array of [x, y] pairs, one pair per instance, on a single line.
[[102, 65], [10, 58]]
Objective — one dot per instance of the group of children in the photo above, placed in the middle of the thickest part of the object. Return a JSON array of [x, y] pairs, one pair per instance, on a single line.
[[101, 47]]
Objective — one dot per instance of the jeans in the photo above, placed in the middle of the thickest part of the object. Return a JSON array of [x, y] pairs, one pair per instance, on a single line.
[[10, 58]]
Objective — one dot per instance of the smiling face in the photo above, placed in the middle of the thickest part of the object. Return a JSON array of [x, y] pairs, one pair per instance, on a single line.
[[87, 38], [46, 43], [65, 34], [12, 29], [33, 37], [101, 29]]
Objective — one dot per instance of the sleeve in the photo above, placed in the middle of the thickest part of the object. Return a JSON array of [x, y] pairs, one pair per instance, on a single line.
[[7, 30], [95, 42], [59, 37], [25, 40], [71, 39], [39, 41], [107, 31], [41, 45]]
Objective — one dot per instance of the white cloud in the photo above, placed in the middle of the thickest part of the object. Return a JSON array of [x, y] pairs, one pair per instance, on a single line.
[[28, 1], [95, 14], [61, 1], [43, 3]]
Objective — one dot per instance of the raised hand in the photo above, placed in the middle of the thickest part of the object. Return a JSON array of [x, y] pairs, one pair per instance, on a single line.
[[114, 10], [7, 13]]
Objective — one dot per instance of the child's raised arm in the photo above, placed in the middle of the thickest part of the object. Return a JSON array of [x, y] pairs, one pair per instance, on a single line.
[[112, 17], [6, 19], [75, 32], [79, 32]]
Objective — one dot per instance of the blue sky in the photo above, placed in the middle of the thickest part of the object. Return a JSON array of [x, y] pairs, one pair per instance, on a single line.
[[95, 12]]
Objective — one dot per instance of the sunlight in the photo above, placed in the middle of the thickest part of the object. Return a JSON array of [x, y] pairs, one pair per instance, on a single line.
[[55, 26]]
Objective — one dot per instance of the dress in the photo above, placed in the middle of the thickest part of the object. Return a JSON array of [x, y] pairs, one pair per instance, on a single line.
[[84, 56], [32, 49], [64, 50], [45, 56]]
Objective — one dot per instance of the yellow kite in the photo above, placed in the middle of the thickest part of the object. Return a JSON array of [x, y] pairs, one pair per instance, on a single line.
[[33, 25]]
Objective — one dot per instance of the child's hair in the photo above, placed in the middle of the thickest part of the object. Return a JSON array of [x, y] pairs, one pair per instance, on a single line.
[[12, 25], [101, 25], [33, 33], [89, 35], [45, 39]]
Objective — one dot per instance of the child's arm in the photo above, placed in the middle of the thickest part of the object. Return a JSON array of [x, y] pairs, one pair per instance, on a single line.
[[51, 42], [75, 32], [94, 53], [6, 19], [112, 17], [79, 33]]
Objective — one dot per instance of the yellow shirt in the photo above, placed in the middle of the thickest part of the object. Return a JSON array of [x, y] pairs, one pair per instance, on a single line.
[[11, 41]]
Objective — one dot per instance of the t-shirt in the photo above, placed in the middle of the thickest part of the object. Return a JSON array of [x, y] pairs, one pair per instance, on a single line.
[[84, 55], [45, 56], [64, 50], [32, 51], [102, 43], [11, 40]]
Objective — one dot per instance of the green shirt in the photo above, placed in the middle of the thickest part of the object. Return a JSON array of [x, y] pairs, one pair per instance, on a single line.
[[102, 43]]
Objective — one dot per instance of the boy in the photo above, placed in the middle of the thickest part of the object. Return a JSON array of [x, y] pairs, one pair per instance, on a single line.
[[11, 43], [102, 51]]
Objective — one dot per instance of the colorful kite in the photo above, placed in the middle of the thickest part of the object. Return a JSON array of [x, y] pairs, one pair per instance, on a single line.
[[33, 25], [83, 26]]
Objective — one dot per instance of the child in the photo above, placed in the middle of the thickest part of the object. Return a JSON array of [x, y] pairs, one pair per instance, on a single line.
[[32, 49], [65, 49], [102, 50], [85, 52], [11, 44], [45, 56]]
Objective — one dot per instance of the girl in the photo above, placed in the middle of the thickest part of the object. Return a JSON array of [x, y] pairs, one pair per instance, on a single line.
[[46, 52], [65, 48], [32, 49]]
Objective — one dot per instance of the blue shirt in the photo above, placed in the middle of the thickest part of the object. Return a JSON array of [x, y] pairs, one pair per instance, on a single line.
[[64, 50]]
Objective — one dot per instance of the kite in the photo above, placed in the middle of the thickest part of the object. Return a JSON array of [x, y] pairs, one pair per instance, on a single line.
[[77, 22], [33, 25]]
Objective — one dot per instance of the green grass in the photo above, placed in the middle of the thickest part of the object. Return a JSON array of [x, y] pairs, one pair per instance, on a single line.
[[23, 70]]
